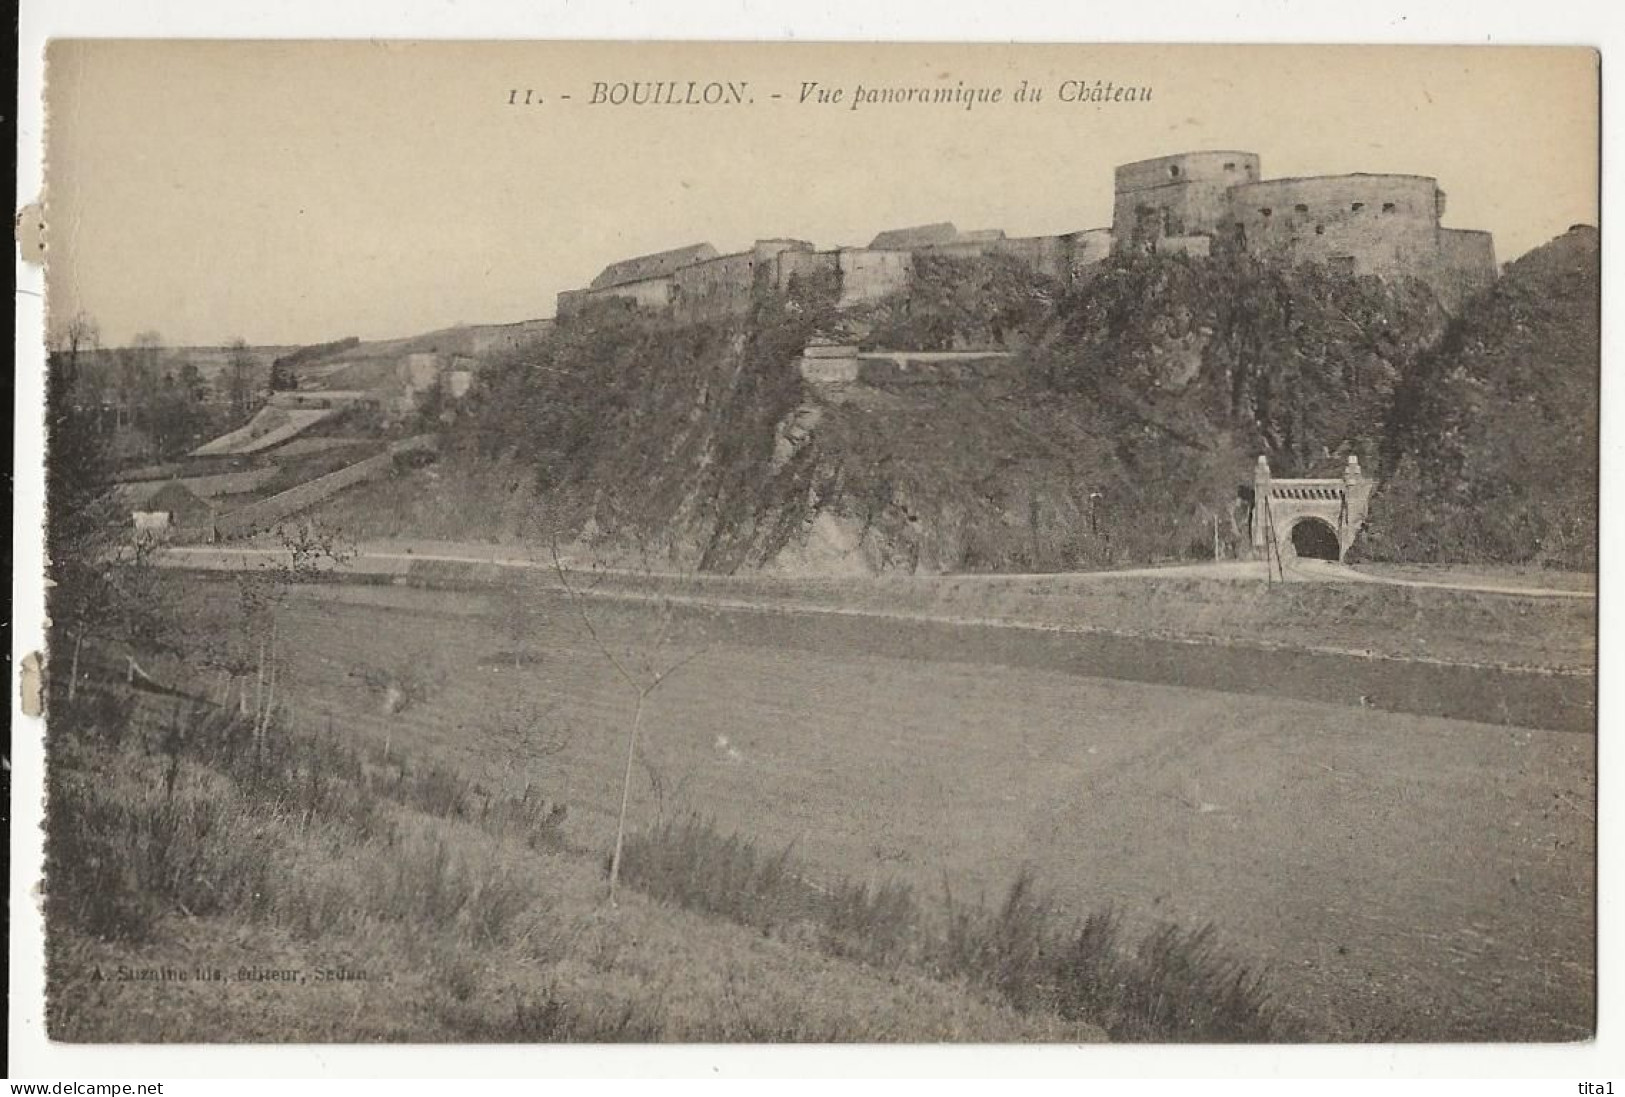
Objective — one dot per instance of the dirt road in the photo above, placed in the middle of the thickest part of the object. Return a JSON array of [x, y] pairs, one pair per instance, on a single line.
[[1298, 570]]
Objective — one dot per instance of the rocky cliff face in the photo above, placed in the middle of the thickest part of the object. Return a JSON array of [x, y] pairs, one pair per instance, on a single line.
[[1121, 426]]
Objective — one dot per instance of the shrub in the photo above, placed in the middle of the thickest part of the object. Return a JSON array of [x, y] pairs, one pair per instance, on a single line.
[[1173, 984], [197, 818], [114, 865]]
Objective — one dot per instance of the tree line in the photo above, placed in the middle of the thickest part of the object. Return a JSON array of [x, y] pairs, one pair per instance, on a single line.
[[154, 402]]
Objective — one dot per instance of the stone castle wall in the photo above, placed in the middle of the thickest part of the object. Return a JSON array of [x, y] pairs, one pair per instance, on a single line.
[[714, 289], [1088, 247], [1192, 203], [804, 264], [497, 339], [868, 274], [1385, 225]]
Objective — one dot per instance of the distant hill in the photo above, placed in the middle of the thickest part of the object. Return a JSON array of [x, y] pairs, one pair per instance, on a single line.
[[462, 340], [1492, 445]]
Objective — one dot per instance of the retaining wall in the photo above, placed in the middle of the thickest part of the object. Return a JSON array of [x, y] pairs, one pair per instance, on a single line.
[[258, 517]]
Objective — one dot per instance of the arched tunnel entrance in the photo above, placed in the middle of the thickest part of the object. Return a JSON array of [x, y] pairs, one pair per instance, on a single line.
[[1315, 539]]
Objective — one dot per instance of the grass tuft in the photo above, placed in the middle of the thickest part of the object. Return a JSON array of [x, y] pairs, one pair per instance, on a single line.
[[1172, 984]]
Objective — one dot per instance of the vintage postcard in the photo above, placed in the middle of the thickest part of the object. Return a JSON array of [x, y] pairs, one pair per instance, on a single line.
[[837, 543]]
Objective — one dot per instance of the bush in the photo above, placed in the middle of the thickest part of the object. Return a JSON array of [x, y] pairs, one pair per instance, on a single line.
[[114, 866], [954, 302], [192, 818], [1173, 984]]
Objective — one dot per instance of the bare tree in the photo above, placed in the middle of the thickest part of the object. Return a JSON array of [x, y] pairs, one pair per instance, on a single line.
[[240, 381], [103, 586], [249, 648], [145, 358], [77, 335], [642, 673]]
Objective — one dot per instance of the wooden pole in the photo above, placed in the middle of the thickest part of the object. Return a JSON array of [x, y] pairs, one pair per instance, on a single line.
[[73, 671], [626, 795]]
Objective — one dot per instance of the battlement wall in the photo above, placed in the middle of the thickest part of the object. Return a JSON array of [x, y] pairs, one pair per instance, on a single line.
[[804, 264], [1088, 247], [714, 289]]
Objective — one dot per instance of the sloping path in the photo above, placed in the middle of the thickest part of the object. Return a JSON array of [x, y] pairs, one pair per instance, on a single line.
[[1326, 571]]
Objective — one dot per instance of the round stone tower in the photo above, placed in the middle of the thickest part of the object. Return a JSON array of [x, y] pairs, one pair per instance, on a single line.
[[1177, 196]]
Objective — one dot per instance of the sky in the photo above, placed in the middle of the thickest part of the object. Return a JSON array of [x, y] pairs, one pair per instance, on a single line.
[[298, 192]]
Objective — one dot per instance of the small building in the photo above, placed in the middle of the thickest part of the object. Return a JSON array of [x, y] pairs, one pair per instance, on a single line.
[[161, 508]]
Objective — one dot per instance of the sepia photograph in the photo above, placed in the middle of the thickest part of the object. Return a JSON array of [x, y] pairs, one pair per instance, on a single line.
[[824, 543]]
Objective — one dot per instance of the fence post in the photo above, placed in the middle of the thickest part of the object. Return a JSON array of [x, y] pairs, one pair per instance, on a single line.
[[1261, 494], [1274, 545], [1262, 534]]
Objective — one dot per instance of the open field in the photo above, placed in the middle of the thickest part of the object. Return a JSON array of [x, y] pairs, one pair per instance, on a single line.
[[1473, 653], [1405, 876]]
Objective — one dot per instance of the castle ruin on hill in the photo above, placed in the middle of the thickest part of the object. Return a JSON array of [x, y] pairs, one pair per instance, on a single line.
[[1192, 203]]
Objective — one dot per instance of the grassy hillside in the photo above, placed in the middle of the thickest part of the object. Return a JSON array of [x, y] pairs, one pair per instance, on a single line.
[[872, 789], [1493, 440], [351, 894], [216, 875]]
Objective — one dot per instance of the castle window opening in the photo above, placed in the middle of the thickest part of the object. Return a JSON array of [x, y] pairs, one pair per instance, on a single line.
[[1301, 208], [1173, 170], [1265, 212], [1320, 230], [1388, 207], [1230, 165], [1357, 207]]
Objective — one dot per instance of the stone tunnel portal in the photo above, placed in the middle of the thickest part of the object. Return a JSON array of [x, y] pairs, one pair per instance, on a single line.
[[1315, 539], [1311, 518]]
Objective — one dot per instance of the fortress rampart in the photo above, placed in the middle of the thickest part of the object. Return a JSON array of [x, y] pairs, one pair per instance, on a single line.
[[1192, 203], [1364, 224], [1386, 225]]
